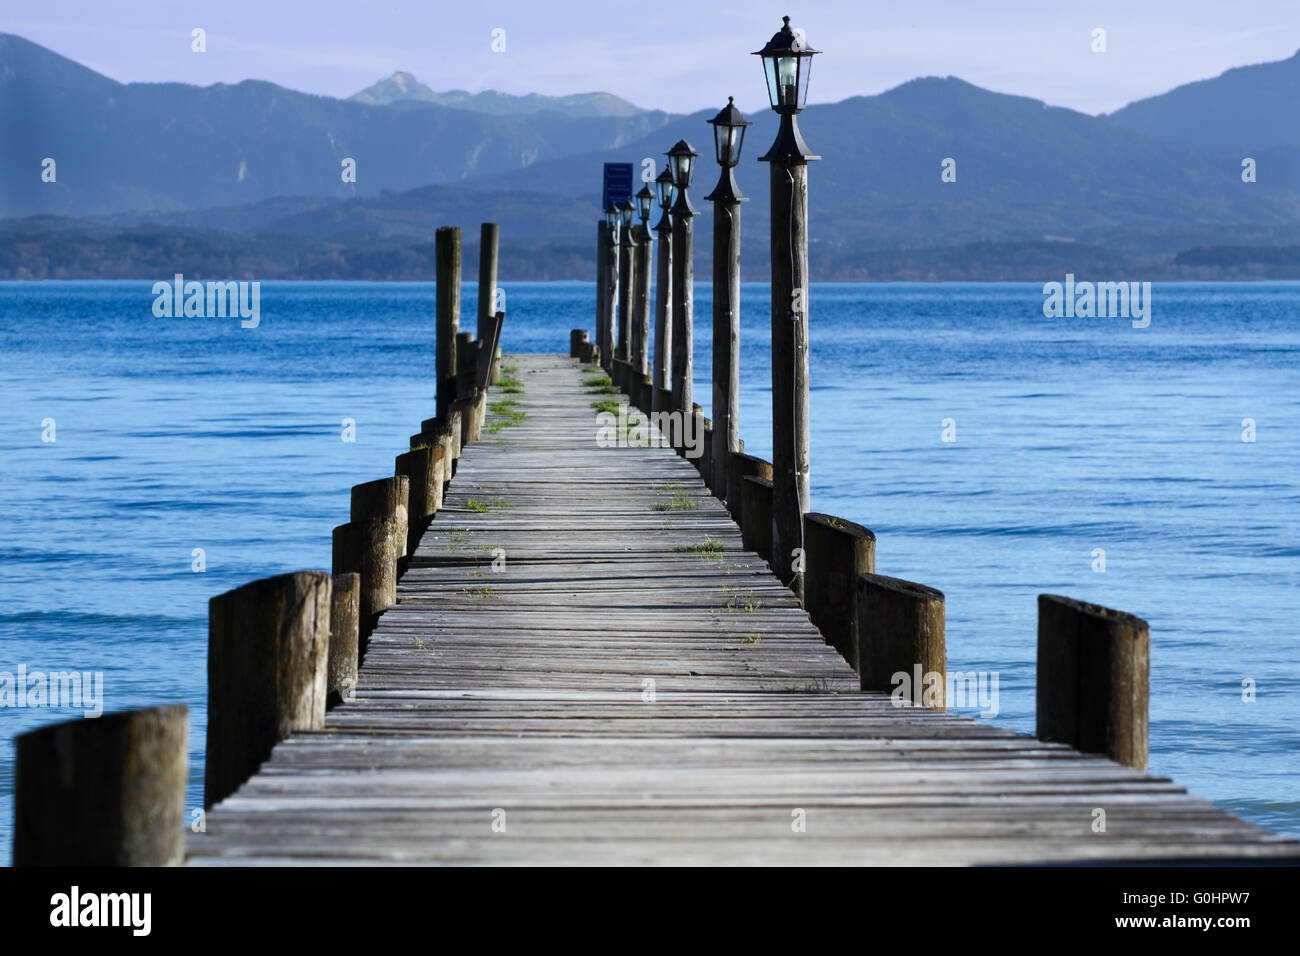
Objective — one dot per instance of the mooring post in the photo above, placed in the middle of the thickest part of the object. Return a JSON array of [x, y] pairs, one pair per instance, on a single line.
[[901, 632], [447, 252], [729, 135], [611, 318], [661, 375], [681, 159], [756, 517], [739, 467], [386, 498], [1093, 679], [369, 548], [488, 234], [835, 553], [425, 471], [641, 302], [626, 281], [577, 338], [345, 638], [466, 359], [268, 652], [102, 792], [602, 284], [787, 55]]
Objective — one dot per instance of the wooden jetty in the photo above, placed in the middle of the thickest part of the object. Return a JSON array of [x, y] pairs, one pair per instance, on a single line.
[[547, 639], [632, 686]]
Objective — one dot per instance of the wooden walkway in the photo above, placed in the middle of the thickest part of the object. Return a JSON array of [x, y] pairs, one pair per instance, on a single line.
[[635, 688]]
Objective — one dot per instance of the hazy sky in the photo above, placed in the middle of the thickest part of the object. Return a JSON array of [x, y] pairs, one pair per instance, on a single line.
[[1039, 48]]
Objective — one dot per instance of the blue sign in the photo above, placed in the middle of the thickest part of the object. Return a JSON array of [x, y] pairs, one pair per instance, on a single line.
[[618, 185]]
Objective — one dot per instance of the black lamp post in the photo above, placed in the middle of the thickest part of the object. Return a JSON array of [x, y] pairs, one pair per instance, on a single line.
[[662, 376], [787, 62], [681, 163], [641, 301], [608, 320], [728, 137], [626, 281]]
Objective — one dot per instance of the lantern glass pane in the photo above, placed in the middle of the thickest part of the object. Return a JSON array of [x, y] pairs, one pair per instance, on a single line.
[[787, 79], [805, 69], [769, 71], [681, 171]]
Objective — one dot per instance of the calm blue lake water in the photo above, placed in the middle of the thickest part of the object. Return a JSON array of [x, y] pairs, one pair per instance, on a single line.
[[1071, 435]]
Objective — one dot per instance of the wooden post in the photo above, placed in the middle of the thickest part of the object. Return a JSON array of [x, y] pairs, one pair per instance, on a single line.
[[693, 445], [577, 338], [425, 471], [345, 638], [102, 792], [1093, 679], [641, 304], [456, 436], [789, 235], [835, 553], [447, 252], [901, 631], [369, 548], [488, 234], [726, 199], [607, 346], [662, 374], [268, 649], [739, 467], [705, 462], [386, 498], [756, 518], [602, 284], [683, 303], [465, 408], [626, 292], [466, 354]]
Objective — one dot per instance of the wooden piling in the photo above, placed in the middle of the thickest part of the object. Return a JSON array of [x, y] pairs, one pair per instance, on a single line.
[[386, 498], [602, 284], [726, 336], [369, 547], [901, 632], [102, 792], [466, 363], [835, 553], [641, 303], [577, 338], [447, 253], [455, 432], [704, 464], [268, 651], [626, 292], [739, 467], [345, 638], [756, 516], [662, 374], [425, 472], [608, 347], [1093, 679], [790, 488], [683, 307], [488, 236]]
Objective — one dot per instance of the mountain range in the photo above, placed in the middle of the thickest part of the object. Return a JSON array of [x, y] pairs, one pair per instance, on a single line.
[[208, 177]]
